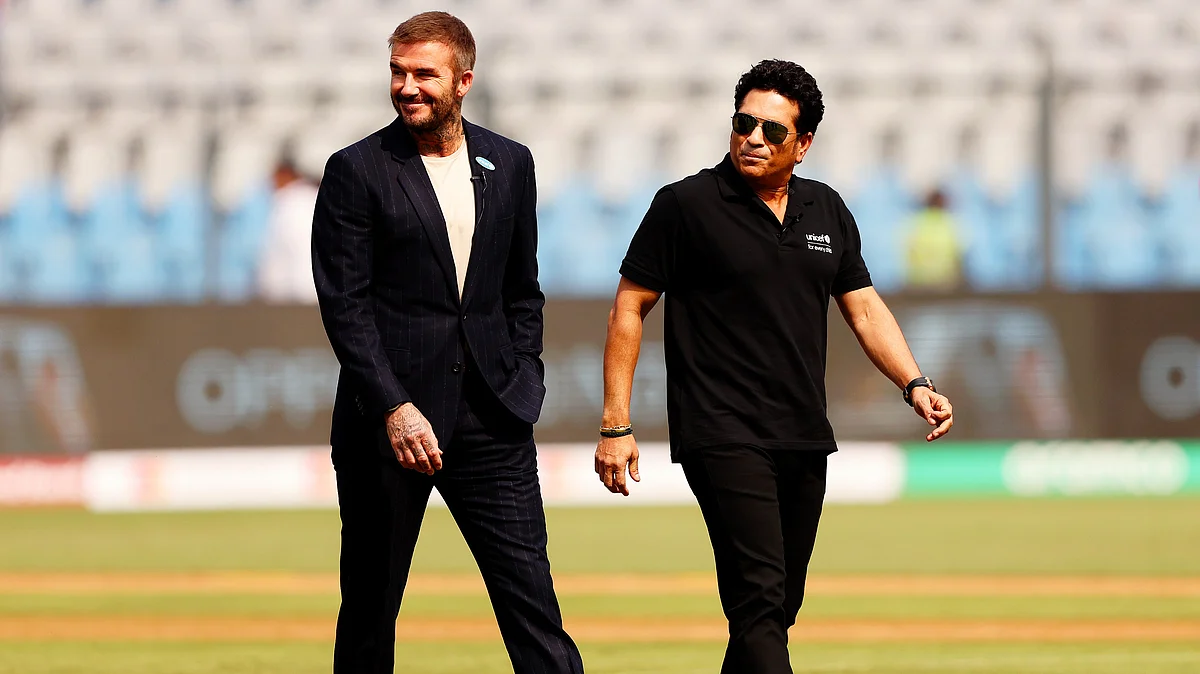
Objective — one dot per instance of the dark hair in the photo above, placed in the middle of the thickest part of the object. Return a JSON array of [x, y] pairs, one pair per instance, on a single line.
[[438, 27], [790, 81]]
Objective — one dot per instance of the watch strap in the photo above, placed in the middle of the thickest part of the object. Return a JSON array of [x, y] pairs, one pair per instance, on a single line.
[[917, 383]]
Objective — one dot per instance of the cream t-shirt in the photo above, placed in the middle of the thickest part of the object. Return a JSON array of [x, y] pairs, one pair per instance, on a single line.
[[451, 178]]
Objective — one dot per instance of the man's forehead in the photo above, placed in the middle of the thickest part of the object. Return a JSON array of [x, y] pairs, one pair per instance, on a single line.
[[770, 105], [431, 53]]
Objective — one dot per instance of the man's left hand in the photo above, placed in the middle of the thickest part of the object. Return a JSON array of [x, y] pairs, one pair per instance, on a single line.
[[934, 408]]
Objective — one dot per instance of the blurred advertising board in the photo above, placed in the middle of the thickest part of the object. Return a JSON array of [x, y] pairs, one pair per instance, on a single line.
[[861, 472], [1039, 366]]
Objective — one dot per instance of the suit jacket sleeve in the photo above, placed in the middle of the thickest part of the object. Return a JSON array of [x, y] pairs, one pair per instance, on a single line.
[[522, 295], [342, 250]]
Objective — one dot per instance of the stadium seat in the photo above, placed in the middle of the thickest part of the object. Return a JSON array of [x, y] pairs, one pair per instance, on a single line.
[[983, 259], [119, 245], [577, 252], [1072, 262], [1123, 252], [240, 243], [182, 226], [136, 277], [56, 273], [8, 275], [113, 215], [1179, 227], [1017, 222], [879, 208], [39, 212]]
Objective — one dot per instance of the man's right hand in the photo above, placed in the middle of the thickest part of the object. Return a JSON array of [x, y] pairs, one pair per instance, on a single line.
[[413, 440], [613, 456]]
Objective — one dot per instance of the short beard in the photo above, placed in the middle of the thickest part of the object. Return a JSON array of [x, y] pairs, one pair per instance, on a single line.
[[443, 121]]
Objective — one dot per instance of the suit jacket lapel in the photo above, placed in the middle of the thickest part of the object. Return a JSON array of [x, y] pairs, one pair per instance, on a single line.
[[478, 145], [416, 184]]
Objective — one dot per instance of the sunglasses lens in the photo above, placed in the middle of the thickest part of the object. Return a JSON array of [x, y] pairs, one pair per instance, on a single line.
[[744, 124], [774, 132]]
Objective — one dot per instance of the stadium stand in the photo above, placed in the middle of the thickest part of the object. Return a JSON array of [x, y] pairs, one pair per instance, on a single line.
[[137, 136]]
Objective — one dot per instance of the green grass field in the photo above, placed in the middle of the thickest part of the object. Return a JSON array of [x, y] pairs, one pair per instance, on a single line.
[[1148, 626]]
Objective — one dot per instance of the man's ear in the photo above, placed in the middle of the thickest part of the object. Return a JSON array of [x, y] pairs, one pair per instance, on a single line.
[[803, 145], [464, 83]]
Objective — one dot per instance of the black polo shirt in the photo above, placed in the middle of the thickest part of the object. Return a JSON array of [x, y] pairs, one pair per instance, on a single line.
[[747, 301]]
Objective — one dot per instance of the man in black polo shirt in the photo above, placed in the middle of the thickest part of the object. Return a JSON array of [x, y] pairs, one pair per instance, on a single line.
[[749, 256]]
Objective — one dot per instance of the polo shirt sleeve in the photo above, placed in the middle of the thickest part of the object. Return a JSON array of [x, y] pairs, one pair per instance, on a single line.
[[852, 271], [650, 260]]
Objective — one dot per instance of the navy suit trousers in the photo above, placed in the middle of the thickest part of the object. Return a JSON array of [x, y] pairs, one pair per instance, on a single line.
[[489, 482]]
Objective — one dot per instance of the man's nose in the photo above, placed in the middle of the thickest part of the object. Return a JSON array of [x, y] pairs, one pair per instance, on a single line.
[[756, 137], [410, 86]]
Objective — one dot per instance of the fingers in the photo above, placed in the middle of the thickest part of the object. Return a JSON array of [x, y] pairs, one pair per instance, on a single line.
[[618, 480], [933, 408], [945, 416], [937, 411], [926, 413], [613, 456], [405, 456], [421, 452], [606, 476], [418, 452], [942, 410], [941, 430]]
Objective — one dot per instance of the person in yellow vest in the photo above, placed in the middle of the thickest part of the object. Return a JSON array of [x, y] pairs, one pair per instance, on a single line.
[[934, 246]]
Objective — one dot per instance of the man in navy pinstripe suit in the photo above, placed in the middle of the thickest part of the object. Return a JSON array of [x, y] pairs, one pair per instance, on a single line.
[[424, 256]]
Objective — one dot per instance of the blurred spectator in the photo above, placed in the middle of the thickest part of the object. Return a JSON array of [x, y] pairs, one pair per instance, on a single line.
[[285, 272], [934, 246], [43, 402]]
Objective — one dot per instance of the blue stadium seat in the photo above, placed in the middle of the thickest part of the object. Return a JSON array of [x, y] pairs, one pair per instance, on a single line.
[[1121, 250], [576, 254], [240, 245], [56, 273], [181, 230], [1072, 262], [39, 211], [1017, 222], [1178, 227], [136, 277], [880, 209], [43, 254], [121, 245], [984, 263], [8, 276]]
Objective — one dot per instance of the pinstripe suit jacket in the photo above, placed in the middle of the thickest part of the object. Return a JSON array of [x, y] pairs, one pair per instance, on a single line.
[[387, 287]]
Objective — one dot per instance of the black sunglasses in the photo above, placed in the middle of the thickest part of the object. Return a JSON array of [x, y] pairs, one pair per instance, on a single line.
[[744, 124]]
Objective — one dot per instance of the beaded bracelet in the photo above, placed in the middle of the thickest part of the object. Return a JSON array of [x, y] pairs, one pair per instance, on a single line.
[[616, 431]]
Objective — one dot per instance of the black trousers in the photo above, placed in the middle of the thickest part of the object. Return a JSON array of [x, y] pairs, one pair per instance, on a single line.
[[761, 508], [489, 481]]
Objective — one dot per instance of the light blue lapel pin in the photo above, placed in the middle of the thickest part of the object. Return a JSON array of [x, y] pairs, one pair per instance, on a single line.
[[485, 163]]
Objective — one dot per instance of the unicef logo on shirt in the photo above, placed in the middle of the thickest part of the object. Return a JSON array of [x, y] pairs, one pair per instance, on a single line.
[[819, 242]]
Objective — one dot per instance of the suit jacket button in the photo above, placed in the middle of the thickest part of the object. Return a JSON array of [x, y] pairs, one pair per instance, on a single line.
[[456, 368]]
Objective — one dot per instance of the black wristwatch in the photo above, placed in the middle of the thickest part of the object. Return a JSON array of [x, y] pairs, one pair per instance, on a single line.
[[917, 383]]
